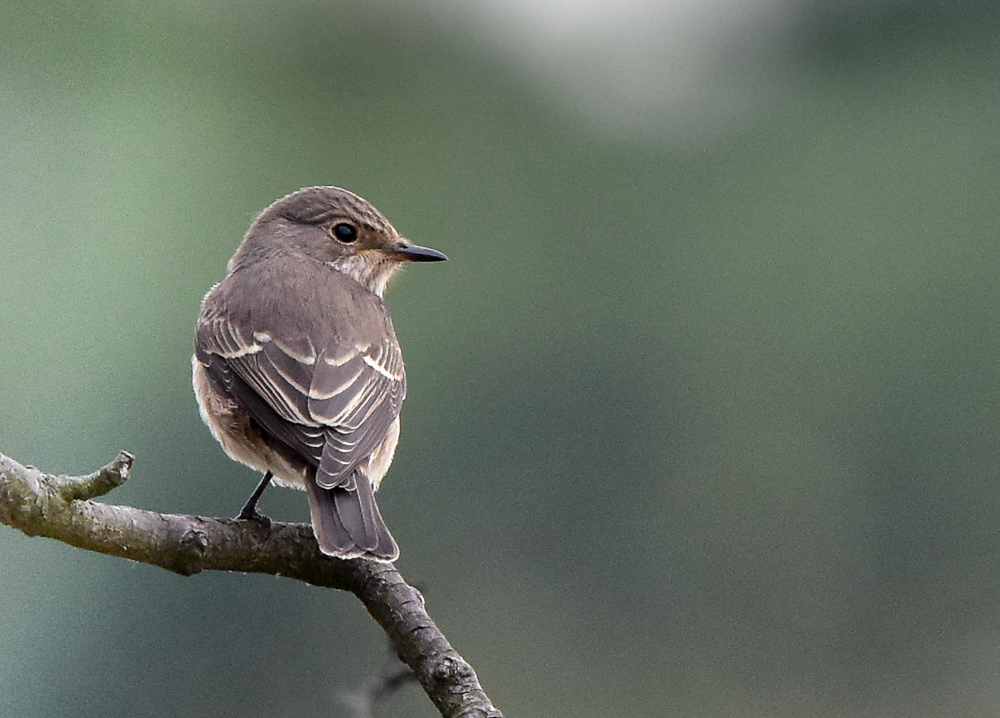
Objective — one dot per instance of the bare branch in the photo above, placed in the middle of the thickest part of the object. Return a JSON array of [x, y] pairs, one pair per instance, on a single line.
[[59, 507]]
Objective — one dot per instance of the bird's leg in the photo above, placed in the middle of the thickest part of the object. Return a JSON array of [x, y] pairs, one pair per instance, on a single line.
[[249, 511]]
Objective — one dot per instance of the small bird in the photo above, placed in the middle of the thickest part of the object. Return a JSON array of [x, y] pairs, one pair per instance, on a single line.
[[297, 369]]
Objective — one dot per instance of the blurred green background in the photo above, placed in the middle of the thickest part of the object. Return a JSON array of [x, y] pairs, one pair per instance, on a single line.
[[703, 411]]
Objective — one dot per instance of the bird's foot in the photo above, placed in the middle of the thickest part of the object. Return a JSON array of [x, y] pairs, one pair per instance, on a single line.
[[250, 513]]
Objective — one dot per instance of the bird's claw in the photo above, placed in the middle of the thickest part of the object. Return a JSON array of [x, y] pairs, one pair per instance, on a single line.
[[249, 513]]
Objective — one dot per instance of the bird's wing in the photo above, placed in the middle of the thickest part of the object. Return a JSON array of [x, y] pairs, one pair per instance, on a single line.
[[332, 404], [357, 390]]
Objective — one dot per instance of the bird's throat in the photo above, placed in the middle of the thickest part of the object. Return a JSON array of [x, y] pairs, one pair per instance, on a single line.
[[369, 269]]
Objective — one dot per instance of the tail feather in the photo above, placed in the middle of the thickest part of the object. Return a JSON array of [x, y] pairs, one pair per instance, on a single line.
[[347, 523]]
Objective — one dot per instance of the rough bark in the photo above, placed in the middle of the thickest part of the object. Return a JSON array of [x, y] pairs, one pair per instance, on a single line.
[[61, 507]]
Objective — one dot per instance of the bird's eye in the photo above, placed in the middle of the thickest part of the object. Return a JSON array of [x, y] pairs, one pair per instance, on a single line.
[[345, 232]]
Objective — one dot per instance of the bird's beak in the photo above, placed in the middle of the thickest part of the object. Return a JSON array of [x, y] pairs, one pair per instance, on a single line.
[[406, 252]]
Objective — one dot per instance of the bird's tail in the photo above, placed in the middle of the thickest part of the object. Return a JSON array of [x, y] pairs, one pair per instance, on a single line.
[[347, 522]]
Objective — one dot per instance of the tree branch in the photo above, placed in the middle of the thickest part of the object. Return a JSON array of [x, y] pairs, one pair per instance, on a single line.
[[60, 507]]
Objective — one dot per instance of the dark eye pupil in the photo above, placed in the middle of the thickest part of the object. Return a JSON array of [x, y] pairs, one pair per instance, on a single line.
[[345, 232]]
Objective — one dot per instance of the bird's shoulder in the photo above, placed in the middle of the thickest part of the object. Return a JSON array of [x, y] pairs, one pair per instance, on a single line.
[[298, 298]]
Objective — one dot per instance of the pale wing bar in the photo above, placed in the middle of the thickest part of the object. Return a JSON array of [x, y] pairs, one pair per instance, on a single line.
[[334, 407], [359, 411]]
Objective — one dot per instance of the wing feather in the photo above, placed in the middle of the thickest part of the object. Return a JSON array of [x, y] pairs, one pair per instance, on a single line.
[[332, 404], [360, 412]]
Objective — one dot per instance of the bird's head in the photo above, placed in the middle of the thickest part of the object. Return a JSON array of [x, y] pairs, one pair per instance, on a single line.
[[336, 227]]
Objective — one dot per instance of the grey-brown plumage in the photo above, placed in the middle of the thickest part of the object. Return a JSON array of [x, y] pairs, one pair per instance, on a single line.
[[297, 369]]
